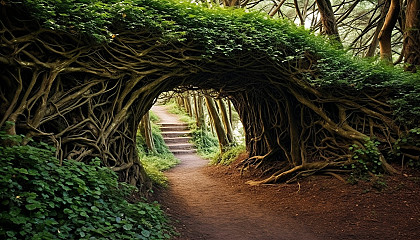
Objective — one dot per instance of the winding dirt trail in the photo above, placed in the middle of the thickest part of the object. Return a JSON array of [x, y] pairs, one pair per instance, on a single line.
[[207, 207]]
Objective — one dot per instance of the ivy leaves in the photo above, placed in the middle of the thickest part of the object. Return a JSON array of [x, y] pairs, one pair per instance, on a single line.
[[41, 200], [367, 158]]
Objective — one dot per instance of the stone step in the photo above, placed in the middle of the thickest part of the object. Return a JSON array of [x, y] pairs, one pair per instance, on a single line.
[[175, 134], [183, 151], [180, 146], [173, 125], [173, 128], [178, 140], [176, 137]]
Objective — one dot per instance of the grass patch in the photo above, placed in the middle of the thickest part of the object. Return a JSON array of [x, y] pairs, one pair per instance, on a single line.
[[229, 156], [156, 164]]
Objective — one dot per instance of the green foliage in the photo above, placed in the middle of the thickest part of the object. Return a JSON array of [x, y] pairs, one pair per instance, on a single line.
[[222, 32], [153, 117], [155, 164], [367, 158], [219, 31], [207, 145], [228, 156], [340, 72], [174, 108], [41, 200]]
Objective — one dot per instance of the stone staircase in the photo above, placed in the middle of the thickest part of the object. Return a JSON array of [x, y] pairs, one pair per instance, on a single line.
[[177, 136]]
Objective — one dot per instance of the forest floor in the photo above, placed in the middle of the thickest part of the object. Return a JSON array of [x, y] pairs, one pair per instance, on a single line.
[[213, 202]]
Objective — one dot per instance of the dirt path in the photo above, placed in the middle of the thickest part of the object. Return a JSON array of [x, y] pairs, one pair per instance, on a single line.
[[210, 208], [208, 202]]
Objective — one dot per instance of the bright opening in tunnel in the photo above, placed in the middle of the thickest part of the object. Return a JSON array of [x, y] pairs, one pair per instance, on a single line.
[[182, 123]]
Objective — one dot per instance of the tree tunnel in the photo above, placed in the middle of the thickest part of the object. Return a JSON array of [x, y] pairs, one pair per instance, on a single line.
[[88, 99]]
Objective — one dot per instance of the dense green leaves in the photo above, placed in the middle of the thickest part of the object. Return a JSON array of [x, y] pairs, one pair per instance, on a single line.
[[220, 31], [41, 200], [226, 33], [366, 158]]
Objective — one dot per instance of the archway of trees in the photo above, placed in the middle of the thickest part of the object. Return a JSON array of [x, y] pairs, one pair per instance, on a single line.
[[88, 99]]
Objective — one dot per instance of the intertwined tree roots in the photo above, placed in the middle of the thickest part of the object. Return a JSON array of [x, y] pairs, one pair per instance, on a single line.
[[88, 99]]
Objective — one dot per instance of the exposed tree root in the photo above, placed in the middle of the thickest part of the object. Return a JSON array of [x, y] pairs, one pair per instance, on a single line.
[[336, 176], [291, 174], [88, 100]]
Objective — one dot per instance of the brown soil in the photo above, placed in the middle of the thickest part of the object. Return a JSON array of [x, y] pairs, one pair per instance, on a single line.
[[213, 202]]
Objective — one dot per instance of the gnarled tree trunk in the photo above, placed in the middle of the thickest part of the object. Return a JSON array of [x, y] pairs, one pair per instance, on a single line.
[[199, 112]]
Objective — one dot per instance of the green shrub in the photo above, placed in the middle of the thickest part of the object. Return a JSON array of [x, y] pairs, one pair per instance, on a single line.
[[39, 199], [228, 156], [174, 108], [159, 143], [207, 145], [367, 158], [153, 117]]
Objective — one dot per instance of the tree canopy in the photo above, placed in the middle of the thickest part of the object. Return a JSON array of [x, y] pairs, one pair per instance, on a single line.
[[86, 74], [221, 32]]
